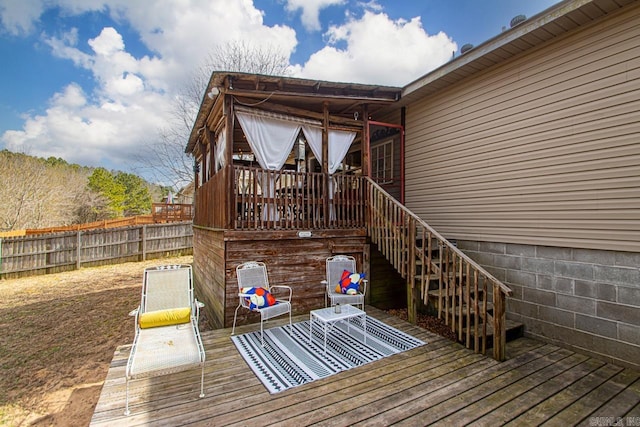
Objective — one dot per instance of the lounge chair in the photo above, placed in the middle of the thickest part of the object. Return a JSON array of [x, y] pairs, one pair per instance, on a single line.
[[335, 266], [167, 338], [252, 276]]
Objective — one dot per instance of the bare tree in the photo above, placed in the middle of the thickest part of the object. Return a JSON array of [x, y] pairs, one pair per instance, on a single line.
[[20, 180], [164, 159], [247, 58], [35, 194]]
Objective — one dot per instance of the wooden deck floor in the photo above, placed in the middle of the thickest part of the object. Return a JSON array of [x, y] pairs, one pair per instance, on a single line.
[[441, 383]]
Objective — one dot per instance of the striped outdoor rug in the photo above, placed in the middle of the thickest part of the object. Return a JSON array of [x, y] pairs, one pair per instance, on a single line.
[[290, 360]]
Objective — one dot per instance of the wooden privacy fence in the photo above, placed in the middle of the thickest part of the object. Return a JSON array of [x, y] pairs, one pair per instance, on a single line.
[[55, 252], [105, 223]]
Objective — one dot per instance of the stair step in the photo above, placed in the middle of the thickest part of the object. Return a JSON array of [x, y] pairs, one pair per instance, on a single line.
[[435, 293], [432, 276], [433, 261], [471, 310], [514, 330], [436, 275]]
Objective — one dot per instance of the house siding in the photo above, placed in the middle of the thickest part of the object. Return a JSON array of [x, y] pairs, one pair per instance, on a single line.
[[533, 166], [543, 150]]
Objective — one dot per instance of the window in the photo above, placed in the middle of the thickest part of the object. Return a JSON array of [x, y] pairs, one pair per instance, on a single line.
[[382, 162]]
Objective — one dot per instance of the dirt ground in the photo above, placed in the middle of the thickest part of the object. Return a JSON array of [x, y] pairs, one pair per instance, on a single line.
[[58, 334]]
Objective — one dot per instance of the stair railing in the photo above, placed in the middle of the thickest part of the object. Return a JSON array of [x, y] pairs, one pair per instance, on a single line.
[[469, 299]]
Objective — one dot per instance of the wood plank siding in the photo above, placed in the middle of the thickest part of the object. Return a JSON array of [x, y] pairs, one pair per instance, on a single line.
[[543, 149], [291, 260]]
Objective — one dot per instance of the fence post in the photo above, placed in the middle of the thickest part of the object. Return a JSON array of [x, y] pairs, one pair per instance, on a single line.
[[143, 242], [78, 250]]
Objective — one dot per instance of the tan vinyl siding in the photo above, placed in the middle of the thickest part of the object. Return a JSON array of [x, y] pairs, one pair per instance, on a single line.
[[544, 149]]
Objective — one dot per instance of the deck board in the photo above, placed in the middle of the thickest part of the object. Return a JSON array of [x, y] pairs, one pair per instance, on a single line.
[[597, 403], [541, 403], [439, 382], [501, 401]]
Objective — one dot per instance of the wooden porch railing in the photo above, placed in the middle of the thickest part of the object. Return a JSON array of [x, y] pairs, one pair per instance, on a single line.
[[468, 298], [171, 212], [212, 201], [249, 198]]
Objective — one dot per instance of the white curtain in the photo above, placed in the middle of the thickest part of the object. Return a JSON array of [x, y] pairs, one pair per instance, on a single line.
[[339, 143], [221, 150], [271, 140]]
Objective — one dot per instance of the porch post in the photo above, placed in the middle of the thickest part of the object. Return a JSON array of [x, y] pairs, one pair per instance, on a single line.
[[231, 175], [205, 158], [228, 127], [366, 143], [325, 161], [201, 167], [212, 152]]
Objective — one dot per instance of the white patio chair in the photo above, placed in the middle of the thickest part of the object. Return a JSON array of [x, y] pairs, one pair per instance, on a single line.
[[254, 275], [336, 265], [167, 338]]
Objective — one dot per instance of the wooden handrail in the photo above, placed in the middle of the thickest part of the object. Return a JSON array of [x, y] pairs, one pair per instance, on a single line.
[[463, 286]]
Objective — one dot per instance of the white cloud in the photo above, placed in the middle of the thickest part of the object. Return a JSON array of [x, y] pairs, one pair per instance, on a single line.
[[64, 47], [378, 50], [107, 43], [86, 133], [310, 11], [184, 32], [71, 97], [17, 17]]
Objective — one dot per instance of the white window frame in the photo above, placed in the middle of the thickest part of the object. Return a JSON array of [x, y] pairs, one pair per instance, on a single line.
[[384, 175]]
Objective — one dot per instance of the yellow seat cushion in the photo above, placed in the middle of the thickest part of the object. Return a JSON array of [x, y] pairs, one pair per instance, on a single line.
[[173, 316]]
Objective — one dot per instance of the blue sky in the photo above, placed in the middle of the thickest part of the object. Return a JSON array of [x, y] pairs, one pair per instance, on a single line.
[[95, 81]]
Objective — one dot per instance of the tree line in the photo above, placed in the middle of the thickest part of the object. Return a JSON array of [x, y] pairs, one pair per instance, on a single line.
[[40, 193]]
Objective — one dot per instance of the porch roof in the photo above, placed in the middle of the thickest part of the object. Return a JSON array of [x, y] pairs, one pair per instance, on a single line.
[[344, 99]]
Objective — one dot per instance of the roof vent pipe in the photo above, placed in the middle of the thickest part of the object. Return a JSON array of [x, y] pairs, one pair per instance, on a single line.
[[518, 19], [466, 47]]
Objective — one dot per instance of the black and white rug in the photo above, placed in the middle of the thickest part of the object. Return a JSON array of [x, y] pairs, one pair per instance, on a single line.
[[289, 360]]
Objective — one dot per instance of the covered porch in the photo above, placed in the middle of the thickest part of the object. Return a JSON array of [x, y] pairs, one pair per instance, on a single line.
[[280, 165], [283, 153]]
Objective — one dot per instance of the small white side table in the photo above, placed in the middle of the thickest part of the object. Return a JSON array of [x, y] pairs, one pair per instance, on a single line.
[[327, 318]]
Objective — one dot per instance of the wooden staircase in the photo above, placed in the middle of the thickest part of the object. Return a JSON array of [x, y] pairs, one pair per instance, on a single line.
[[455, 293], [440, 277]]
